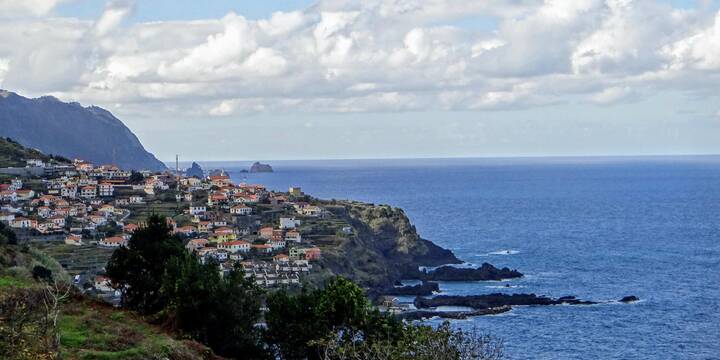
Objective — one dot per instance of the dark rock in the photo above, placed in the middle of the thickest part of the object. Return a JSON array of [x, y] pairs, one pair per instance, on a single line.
[[195, 171], [629, 299], [485, 272], [456, 315], [261, 168], [73, 131], [479, 302], [425, 289]]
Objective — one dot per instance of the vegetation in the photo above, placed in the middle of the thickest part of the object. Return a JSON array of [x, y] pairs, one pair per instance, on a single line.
[[139, 268], [13, 154], [160, 279], [45, 319], [7, 236]]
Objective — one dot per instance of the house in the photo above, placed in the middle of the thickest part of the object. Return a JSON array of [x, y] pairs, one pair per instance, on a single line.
[[277, 244], [24, 194], [312, 210], [10, 195], [83, 166], [241, 210], [44, 211], [295, 191], [312, 254], [7, 217], [103, 283], [204, 226], [107, 209], [235, 246], [186, 230], [266, 232], [114, 241], [281, 259], [216, 199], [130, 228], [289, 223], [58, 221], [263, 248], [74, 239], [136, 199], [88, 192], [196, 244], [278, 235], [197, 210], [293, 235], [220, 180], [106, 189], [23, 223], [69, 191], [35, 163]]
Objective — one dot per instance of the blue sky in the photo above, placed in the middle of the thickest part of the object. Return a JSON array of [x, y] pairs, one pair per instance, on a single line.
[[380, 78]]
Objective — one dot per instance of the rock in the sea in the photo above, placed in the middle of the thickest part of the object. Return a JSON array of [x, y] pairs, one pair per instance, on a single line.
[[485, 272], [479, 302], [425, 289], [629, 299], [195, 171], [455, 315], [260, 168]]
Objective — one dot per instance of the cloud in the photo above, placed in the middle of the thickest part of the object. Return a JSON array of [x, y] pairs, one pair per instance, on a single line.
[[16, 8], [612, 95], [372, 56], [115, 12]]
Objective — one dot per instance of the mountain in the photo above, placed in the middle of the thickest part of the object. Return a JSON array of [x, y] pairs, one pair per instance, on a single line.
[[73, 131]]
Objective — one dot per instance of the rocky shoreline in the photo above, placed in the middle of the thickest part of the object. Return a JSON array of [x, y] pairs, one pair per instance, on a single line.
[[490, 304], [486, 272]]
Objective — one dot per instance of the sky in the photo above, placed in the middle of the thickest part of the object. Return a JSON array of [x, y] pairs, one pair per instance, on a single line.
[[334, 79]]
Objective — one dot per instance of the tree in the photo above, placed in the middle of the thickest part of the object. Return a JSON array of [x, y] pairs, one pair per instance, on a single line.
[[220, 311], [417, 343], [7, 236], [297, 324], [139, 268], [136, 177]]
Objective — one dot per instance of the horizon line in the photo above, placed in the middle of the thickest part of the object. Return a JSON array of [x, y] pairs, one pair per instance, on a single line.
[[498, 157]]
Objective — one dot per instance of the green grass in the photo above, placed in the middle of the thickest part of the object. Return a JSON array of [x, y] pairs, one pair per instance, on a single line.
[[8, 281], [94, 331]]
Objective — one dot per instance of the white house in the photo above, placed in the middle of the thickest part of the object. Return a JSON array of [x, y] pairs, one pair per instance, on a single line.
[[235, 246], [289, 223], [115, 241], [293, 235], [198, 210], [106, 189], [88, 192], [241, 210]]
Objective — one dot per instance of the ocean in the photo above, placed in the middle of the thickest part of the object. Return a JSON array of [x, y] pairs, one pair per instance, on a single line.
[[596, 228]]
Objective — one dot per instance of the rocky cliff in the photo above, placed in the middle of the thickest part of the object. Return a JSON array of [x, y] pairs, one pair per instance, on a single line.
[[384, 248], [72, 131]]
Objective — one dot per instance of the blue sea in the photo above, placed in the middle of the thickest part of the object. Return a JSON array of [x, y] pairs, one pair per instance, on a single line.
[[596, 228]]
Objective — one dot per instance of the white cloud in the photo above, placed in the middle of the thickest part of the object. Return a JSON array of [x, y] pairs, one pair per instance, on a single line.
[[612, 94], [115, 12], [4, 66], [11, 8], [375, 55], [700, 50]]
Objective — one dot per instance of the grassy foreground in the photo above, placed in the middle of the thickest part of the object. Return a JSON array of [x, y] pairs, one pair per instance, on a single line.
[[94, 331], [86, 329]]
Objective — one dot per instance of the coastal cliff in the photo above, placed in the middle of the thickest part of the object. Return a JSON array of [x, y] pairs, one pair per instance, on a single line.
[[383, 249], [73, 131]]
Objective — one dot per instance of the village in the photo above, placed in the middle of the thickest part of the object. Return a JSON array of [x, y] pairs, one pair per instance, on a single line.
[[88, 207]]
